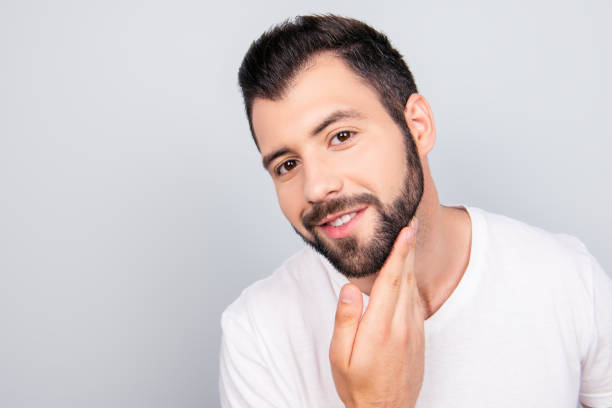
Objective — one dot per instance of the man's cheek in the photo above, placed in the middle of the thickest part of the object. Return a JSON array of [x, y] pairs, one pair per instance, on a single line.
[[285, 205]]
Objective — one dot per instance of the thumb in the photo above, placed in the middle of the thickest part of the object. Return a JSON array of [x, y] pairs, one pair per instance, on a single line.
[[348, 313]]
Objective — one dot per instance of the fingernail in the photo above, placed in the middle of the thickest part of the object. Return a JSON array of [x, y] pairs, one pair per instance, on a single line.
[[413, 226], [346, 296]]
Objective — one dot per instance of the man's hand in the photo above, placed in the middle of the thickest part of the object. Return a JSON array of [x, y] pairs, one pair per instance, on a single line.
[[378, 361]]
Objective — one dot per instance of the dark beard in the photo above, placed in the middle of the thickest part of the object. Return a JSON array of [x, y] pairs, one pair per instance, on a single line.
[[346, 254]]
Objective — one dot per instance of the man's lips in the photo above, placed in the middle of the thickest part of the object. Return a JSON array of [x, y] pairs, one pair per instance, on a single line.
[[333, 217], [345, 229]]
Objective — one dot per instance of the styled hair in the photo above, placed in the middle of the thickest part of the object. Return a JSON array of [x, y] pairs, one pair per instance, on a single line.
[[277, 56]]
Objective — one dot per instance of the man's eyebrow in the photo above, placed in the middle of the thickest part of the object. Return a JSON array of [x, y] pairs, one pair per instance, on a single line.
[[268, 158], [331, 118], [334, 117]]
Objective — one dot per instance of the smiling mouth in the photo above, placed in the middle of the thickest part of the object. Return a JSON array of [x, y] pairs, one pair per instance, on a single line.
[[343, 224], [341, 220]]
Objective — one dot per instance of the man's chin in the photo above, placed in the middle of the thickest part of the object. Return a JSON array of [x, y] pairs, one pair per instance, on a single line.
[[348, 257]]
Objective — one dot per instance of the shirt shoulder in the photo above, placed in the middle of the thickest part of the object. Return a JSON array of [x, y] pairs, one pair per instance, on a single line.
[[295, 288], [550, 271], [276, 334], [516, 243]]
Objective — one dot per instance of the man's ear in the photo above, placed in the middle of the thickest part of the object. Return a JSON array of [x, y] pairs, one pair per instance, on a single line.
[[419, 119]]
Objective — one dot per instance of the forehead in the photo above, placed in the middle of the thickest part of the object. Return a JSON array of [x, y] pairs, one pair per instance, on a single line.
[[325, 85]]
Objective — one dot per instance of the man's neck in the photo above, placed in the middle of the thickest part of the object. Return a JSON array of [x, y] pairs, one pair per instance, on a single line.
[[442, 256], [442, 252]]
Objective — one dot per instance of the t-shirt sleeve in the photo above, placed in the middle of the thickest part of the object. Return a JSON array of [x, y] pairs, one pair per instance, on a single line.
[[245, 380], [596, 383]]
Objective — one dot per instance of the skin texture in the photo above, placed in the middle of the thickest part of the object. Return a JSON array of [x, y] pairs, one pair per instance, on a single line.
[[376, 361]]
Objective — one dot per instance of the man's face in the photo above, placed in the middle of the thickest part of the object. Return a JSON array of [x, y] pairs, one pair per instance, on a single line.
[[348, 178]]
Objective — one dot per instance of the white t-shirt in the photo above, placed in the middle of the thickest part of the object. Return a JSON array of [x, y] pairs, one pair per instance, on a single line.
[[529, 325]]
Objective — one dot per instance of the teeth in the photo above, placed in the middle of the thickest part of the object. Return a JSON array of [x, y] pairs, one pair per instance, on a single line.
[[342, 220]]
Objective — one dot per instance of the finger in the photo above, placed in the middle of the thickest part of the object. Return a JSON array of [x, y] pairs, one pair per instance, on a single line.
[[348, 313], [409, 306], [391, 279]]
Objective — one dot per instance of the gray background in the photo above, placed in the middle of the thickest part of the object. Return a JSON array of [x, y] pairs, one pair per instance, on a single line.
[[133, 208]]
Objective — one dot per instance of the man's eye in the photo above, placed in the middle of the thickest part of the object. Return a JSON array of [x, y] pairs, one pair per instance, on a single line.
[[286, 167], [341, 137]]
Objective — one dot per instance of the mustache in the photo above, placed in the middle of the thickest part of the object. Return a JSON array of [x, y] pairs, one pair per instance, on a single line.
[[321, 210]]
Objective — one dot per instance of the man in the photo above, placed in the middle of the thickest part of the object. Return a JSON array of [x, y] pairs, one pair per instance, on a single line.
[[399, 301]]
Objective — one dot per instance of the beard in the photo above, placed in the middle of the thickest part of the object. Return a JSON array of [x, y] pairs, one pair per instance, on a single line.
[[350, 257]]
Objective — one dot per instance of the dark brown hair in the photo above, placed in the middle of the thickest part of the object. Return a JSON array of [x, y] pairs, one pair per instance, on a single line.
[[276, 57]]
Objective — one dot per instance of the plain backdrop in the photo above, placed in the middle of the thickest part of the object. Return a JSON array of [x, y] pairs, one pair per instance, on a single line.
[[133, 206]]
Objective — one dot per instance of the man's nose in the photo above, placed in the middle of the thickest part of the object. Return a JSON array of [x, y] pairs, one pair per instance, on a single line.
[[321, 182]]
